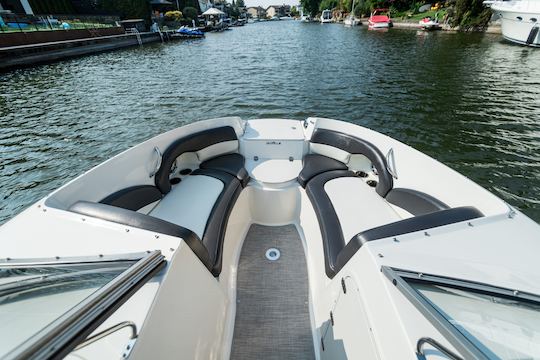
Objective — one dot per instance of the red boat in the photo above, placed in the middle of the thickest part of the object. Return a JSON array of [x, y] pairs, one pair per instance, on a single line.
[[380, 18]]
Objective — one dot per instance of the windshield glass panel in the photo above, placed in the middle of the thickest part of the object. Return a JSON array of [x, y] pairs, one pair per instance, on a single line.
[[502, 327], [33, 297]]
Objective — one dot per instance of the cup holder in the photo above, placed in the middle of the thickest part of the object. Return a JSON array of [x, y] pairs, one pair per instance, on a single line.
[[185, 172], [361, 174], [175, 181], [371, 183]]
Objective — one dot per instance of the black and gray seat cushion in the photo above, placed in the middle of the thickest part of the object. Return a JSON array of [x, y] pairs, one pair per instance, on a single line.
[[329, 224], [354, 145], [315, 164], [231, 164], [343, 204], [202, 201], [134, 197], [141, 221], [191, 143]]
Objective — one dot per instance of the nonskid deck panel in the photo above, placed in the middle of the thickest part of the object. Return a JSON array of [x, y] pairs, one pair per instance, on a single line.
[[272, 310]]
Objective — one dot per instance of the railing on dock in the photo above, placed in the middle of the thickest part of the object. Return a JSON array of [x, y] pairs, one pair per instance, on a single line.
[[10, 22]]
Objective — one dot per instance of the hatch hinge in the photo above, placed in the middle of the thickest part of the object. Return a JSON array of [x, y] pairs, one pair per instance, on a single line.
[[332, 318], [343, 285]]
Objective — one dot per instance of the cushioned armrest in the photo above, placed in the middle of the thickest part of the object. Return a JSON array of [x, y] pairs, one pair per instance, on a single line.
[[417, 223], [141, 221]]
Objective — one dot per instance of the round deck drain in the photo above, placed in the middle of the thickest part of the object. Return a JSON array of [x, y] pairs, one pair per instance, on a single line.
[[272, 254]]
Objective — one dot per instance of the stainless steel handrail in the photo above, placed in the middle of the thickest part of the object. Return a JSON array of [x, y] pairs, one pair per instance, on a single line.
[[443, 349], [109, 331], [391, 163], [158, 163]]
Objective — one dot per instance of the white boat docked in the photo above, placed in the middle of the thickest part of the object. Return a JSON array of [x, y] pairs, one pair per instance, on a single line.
[[305, 18], [225, 238], [326, 17], [351, 19], [519, 20], [428, 24]]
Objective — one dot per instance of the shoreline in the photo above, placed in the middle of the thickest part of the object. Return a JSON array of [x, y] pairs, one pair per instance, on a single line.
[[493, 27]]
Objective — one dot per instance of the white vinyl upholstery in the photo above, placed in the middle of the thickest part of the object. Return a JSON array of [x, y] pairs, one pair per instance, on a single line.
[[222, 148], [190, 203], [358, 206], [329, 151]]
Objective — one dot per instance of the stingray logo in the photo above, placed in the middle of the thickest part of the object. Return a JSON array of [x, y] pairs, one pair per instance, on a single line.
[[273, 143]]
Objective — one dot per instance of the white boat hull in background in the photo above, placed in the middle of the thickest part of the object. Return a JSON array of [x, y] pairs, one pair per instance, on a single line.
[[519, 21], [379, 25], [352, 22]]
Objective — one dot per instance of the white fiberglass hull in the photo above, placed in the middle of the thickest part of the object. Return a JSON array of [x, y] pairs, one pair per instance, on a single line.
[[519, 21], [379, 25], [318, 229], [351, 22]]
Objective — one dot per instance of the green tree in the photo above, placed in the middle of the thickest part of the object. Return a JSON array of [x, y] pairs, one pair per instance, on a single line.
[[470, 14], [310, 6], [328, 4], [190, 13], [294, 11], [128, 9]]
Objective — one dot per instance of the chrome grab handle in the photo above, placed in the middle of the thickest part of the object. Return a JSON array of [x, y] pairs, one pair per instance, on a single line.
[[391, 163], [107, 332], [443, 349], [158, 163]]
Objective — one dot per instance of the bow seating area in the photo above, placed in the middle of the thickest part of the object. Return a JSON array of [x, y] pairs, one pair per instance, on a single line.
[[352, 210], [194, 204]]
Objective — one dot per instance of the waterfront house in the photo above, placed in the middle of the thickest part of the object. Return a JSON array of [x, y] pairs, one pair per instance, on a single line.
[[278, 10], [256, 12]]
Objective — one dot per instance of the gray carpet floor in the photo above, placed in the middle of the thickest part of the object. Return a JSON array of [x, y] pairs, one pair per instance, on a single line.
[[272, 311]]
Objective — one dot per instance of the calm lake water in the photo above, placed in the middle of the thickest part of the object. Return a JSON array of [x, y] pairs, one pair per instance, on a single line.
[[471, 101]]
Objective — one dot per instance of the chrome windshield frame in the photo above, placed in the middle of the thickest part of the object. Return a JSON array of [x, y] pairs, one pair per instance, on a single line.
[[57, 339], [464, 346]]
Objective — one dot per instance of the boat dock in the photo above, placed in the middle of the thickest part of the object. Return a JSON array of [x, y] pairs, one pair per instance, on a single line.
[[42, 52]]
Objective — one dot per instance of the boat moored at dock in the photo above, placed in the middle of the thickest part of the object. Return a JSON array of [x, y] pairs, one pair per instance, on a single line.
[[519, 20], [227, 237], [326, 17], [380, 19], [428, 24]]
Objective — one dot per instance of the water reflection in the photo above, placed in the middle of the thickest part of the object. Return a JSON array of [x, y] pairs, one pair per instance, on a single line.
[[470, 100]]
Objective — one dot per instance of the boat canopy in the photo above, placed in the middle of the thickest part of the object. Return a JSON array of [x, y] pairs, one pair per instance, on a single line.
[[213, 11]]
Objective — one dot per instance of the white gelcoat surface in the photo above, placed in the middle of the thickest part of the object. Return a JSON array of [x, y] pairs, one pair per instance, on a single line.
[[193, 312], [275, 129], [274, 171]]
